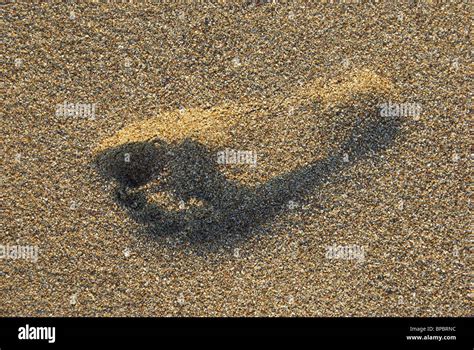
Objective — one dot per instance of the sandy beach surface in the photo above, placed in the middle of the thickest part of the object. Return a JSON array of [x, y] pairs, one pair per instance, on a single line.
[[341, 206]]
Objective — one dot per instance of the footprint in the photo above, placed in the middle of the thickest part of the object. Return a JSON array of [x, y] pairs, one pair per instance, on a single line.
[[333, 125]]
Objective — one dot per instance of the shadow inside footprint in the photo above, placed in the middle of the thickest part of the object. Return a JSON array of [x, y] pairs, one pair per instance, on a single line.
[[229, 211], [133, 164]]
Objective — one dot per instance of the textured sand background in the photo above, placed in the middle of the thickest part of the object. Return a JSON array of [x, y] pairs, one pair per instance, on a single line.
[[408, 205]]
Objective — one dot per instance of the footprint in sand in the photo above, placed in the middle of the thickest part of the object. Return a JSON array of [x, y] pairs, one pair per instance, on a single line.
[[169, 178]]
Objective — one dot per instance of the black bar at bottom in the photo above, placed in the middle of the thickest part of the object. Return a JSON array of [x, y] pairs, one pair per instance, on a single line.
[[449, 333]]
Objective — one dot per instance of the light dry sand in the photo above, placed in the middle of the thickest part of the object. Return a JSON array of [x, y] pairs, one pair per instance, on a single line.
[[288, 81]]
